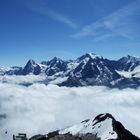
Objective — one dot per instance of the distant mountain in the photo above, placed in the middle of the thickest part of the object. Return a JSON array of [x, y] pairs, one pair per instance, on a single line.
[[128, 63], [56, 65], [31, 67], [11, 71], [92, 70], [88, 69], [102, 127]]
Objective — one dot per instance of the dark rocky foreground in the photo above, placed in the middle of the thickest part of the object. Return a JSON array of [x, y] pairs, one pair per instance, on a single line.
[[67, 137], [123, 134], [118, 130]]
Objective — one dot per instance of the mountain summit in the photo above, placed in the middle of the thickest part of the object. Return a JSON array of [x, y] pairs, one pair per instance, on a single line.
[[92, 70], [88, 56], [31, 67], [128, 63], [102, 127]]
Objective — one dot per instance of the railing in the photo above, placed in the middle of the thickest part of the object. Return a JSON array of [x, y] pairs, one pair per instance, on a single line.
[[21, 136]]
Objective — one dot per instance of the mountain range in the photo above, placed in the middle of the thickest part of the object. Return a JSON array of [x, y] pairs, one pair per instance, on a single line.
[[102, 127], [87, 70]]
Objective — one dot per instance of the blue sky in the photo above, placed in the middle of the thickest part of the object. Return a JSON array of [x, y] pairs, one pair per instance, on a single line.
[[42, 29]]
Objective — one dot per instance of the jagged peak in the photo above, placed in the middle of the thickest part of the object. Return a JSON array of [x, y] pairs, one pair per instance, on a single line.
[[129, 58], [102, 117], [57, 59], [31, 61], [89, 56], [104, 126], [93, 55], [101, 126], [44, 62]]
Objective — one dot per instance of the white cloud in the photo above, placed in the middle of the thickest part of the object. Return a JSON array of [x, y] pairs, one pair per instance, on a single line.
[[61, 18], [43, 9], [28, 79], [40, 109], [121, 22]]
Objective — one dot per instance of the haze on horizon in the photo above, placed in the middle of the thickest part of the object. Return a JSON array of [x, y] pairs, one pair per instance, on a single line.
[[42, 29]]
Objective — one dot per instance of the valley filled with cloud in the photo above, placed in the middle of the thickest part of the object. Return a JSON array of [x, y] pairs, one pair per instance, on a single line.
[[40, 109]]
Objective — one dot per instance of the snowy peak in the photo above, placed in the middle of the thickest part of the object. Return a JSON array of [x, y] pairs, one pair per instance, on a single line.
[[55, 61], [129, 59], [101, 126], [55, 66], [102, 117], [93, 55], [128, 63], [104, 126], [88, 56], [31, 67], [31, 62], [92, 70]]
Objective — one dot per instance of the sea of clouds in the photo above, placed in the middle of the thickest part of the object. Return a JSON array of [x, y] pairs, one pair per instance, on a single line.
[[39, 108]]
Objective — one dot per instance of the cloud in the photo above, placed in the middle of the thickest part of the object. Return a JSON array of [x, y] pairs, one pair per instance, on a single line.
[[40, 109], [58, 17], [122, 22], [26, 79], [44, 10]]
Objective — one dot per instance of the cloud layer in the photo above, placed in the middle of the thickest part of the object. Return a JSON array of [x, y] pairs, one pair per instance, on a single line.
[[40, 109]]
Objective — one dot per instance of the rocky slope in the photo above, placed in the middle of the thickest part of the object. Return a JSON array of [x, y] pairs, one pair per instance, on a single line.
[[102, 127]]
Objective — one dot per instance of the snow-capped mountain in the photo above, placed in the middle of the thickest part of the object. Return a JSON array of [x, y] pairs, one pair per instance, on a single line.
[[10, 71], [56, 65], [32, 68], [128, 63], [102, 127], [3, 70], [89, 69], [128, 66], [92, 70]]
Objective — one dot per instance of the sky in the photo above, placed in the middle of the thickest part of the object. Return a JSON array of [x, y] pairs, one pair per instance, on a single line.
[[42, 29]]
